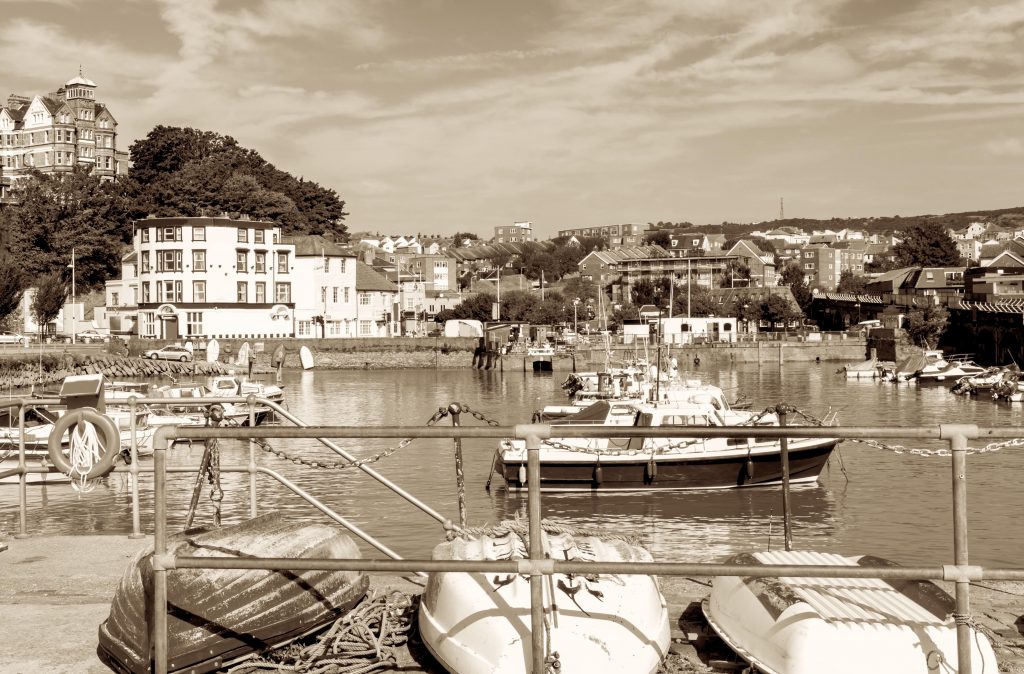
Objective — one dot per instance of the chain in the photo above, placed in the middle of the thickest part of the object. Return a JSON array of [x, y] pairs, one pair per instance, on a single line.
[[663, 449], [900, 449], [345, 464], [476, 415]]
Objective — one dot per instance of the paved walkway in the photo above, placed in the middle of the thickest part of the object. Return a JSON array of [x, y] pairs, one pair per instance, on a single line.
[[57, 590]]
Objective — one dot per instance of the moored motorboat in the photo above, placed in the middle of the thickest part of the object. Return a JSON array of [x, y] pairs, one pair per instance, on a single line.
[[838, 625], [475, 623], [219, 616], [637, 463]]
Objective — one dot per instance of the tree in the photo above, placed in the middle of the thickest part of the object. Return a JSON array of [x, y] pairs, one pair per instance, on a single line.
[[927, 244], [12, 285], [852, 283], [778, 309], [651, 291], [699, 302], [460, 237], [926, 325], [661, 237], [793, 276], [51, 292], [735, 271], [476, 308]]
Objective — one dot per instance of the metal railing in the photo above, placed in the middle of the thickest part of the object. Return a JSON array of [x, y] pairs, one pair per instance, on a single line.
[[536, 566]]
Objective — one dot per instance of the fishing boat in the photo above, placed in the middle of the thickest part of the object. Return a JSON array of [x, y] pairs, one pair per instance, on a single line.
[[838, 625], [474, 623], [637, 463], [218, 617]]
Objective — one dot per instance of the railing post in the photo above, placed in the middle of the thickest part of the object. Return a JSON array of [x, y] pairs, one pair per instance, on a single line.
[[23, 477], [252, 456], [455, 410], [533, 443], [158, 630], [787, 510], [958, 445], [133, 473]]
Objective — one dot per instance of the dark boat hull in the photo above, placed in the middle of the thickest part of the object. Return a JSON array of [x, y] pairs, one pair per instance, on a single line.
[[216, 617], [679, 471]]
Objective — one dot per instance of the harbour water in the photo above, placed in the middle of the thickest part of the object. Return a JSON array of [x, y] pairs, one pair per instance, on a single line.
[[869, 501]]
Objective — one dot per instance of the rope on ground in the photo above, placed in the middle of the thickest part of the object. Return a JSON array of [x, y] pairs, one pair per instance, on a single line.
[[364, 640]]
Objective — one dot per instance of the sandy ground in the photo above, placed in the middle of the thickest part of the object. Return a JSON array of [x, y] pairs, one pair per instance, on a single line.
[[56, 591]]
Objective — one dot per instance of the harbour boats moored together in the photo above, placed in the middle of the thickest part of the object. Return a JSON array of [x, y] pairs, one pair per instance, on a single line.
[[636, 463], [476, 623], [220, 616], [838, 625]]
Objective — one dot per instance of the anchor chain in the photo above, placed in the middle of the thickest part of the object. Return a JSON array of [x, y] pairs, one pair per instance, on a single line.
[[343, 464]]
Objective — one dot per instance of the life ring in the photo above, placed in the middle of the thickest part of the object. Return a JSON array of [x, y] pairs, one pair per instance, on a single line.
[[109, 438]]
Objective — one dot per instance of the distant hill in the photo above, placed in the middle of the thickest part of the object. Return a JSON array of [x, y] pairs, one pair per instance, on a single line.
[[1004, 217]]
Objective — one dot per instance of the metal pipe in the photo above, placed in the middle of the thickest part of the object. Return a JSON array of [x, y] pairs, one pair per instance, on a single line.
[[533, 509], [958, 446], [133, 474], [787, 509], [252, 458], [23, 478], [158, 628], [455, 411], [549, 566], [338, 450]]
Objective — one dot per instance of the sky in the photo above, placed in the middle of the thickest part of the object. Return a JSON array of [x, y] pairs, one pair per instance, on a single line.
[[437, 116]]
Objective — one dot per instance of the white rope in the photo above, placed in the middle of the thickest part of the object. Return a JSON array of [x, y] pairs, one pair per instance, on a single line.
[[84, 454]]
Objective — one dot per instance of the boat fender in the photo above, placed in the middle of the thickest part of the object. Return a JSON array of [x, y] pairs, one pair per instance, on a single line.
[[109, 438], [597, 474], [522, 475], [216, 413], [750, 470], [652, 470]]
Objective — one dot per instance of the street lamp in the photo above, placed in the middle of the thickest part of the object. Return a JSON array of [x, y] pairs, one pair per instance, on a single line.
[[575, 304]]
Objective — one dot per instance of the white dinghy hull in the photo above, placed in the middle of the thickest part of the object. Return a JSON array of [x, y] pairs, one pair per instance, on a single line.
[[838, 625], [475, 623]]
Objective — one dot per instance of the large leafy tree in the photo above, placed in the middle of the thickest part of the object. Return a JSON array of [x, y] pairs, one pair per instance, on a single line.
[[852, 283], [651, 291], [926, 244], [60, 212], [183, 171], [12, 284], [793, 276], [926, 325], [697, 303], [51, 293]]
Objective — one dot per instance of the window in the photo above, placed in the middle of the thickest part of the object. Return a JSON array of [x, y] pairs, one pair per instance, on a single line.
[[198, 291], [243, 292], [261, 292], [364, 299], [145, 261], [145, 234], [168, 260], [145, 292], [242, 262], [198, 233], [334, 328], [342, 265], [335, 295], [346, 295], [257, 235], [283, 292], [113, 299], [194, 323], [365, 328], [261, 262], [243, 235], [282, 263], [199, 260], [305, 328], [170, 291], [323, 295], [168, 234]]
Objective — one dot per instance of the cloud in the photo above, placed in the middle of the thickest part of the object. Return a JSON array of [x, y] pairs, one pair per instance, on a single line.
[[1005, 147]]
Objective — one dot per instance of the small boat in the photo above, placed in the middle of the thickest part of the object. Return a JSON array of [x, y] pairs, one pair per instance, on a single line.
[[637, 463], [867, 369], [306, 358], [474, 623], [220, 616], [950, 370], [838, 625]]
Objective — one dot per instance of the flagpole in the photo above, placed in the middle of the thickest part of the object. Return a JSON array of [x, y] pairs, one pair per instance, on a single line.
[[73, 331]]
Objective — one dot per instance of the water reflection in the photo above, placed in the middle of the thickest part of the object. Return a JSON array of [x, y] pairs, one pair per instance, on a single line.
[[869, 500]]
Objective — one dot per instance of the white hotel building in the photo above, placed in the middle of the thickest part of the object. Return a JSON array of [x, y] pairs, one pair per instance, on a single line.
[[224, 278]]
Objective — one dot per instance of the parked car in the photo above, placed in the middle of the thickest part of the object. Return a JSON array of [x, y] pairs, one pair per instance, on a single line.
[[169, 352], [13, 338], [90, 336]]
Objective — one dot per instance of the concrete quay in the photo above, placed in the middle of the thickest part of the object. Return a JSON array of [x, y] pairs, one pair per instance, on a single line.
[[57, 591]]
